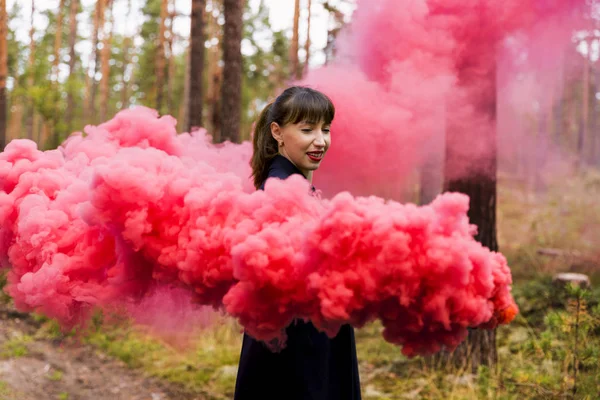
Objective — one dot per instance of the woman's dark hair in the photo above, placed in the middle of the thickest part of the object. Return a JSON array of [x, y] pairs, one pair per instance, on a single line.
[[294, 105]]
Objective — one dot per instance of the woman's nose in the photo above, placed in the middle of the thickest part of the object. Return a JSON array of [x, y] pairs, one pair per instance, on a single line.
[[320, 139]]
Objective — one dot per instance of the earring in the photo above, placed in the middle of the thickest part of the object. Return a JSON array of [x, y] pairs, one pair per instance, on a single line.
[[280, 144]]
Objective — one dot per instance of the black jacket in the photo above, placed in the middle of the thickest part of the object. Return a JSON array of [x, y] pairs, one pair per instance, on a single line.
[[311, 367]]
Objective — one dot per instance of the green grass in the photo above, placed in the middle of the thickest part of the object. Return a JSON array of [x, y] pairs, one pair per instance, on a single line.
[[4, 390], [56, 376], [205, 366], [15, 347]]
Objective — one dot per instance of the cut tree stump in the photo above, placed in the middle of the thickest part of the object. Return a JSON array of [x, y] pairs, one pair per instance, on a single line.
[[563, 279], [549, 252]]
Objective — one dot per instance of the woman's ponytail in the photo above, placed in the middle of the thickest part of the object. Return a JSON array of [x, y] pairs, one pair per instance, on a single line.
[[264, 146]]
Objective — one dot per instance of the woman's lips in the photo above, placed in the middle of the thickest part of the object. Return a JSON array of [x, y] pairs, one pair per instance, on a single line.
[[315, 155]]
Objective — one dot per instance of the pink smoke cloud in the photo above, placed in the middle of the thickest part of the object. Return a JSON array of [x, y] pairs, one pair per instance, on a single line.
[[115, 215], [130, 211], [425, 64]]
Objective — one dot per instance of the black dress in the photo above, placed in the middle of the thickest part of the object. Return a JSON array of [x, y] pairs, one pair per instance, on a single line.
[[311, 367]]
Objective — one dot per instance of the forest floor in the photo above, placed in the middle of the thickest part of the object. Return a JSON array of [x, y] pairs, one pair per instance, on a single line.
[[37, 366]]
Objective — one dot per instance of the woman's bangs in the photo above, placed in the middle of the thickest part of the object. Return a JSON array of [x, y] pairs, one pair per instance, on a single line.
[[310, 107]]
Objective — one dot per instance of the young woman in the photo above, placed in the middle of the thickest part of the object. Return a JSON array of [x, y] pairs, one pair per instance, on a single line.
[[292, 137]]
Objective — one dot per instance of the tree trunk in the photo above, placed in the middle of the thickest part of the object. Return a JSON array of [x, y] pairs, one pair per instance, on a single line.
[[105, 62], [215, 77], [585, 102], [72, 57], [160, 54], [307, 43], [559, 112], [43, 132], [15, 123], [37, 130], [3, 72], [432, 168], [124, 80], [294, 46], [539, 152], [196, 87], [479, 349], [127, 44], [478, 78], [215, 105], [54, 131], [231, 89], [90, 81], [550, 118], [57, 41], [594, 139], [31, 107], [98, 56], [183, 117], [171, 69], [336, 22]]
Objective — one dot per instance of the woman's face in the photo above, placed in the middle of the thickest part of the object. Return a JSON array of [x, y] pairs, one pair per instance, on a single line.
[[304, 144]]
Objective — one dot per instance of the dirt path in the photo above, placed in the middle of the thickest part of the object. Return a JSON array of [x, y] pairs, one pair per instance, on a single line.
[[42, 369]]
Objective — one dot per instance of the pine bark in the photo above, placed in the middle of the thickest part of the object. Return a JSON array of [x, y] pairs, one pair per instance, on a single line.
[[29, 123], [294, 45], [54, 132], [215, 76], [479, 80], [160, 54], [585, 106], [3, 72], [196, 85], [307, 43], [74, 8], [90, 81], [127, 44], [231, 89], [57, 41], [105, 56], [171, 63]]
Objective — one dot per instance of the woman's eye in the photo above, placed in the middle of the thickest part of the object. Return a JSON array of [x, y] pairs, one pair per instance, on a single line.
[[326, 130], [306, 130]]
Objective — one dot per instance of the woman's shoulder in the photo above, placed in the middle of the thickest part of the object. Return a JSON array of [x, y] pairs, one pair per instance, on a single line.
[[281, 168], [281, 165]]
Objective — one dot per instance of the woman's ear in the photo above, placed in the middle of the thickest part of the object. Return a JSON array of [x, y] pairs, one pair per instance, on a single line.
[[276, 132]]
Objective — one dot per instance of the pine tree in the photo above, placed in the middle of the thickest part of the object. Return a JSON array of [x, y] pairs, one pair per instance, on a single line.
[[3, 72], [196, 78], [73, 11], [231, 89]]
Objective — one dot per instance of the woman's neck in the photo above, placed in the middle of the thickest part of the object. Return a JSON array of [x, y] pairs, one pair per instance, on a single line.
[[307, 174]]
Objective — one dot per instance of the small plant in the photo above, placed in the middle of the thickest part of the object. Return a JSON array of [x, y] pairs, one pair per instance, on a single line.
[[56, 376], [571, 340], [4, 298], [15, 347], [63, 396], [4, 391]]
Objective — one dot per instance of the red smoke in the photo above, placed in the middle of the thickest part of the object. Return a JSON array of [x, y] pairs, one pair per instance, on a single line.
[[116, 214], [131, 209]]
